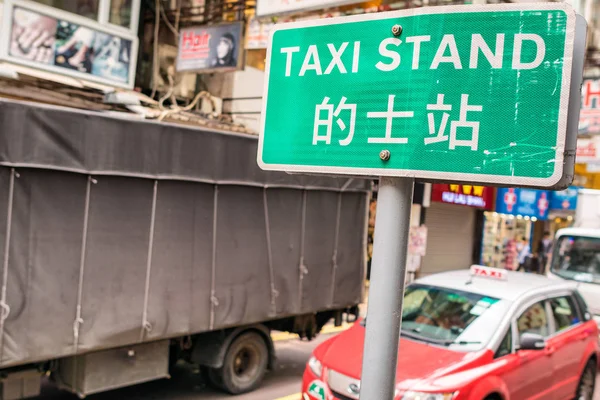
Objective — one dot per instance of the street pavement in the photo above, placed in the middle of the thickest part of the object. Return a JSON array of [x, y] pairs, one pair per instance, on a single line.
[[281, 384]]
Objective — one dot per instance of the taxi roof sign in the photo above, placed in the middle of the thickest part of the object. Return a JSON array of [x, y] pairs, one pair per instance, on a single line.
[[489, 272]]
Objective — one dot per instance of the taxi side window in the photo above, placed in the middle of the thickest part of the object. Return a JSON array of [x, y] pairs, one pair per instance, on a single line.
[[564, 312], [584, 313], [505, 347], [534, 320]]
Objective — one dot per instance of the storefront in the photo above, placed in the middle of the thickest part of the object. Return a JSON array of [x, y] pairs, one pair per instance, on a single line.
[[454, 223], [519, 213], [418, 230]]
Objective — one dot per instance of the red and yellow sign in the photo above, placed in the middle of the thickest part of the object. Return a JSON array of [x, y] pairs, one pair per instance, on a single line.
[[466, 195]]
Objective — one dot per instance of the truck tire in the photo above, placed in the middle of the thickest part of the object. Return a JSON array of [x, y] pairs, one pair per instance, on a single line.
[[244, 366]]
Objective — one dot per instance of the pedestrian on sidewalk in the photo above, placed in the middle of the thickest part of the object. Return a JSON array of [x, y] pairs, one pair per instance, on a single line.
[[544, 250], [524, 255], [511, 254]]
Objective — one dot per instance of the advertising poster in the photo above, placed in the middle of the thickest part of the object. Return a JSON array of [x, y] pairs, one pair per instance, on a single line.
[[417, 242], [564, 199], [210, 48], [44, 40]]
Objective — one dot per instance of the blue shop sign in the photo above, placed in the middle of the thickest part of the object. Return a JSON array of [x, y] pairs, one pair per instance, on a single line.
[[564, 199], [525, 202]]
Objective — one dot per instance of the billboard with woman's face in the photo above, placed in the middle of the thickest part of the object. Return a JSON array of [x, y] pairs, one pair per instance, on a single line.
[[210, 48], [46, 40]]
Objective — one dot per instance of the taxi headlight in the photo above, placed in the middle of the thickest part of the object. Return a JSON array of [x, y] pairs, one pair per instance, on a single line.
[[427, 396], [315, 366]]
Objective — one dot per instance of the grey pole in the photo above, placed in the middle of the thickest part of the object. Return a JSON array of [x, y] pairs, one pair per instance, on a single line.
[[386, 292]]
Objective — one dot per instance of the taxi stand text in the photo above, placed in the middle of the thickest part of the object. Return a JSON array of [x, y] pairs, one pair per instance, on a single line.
[[301, 62]]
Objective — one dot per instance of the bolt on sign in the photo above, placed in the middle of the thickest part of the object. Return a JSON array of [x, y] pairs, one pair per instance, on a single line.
[[463, 93]]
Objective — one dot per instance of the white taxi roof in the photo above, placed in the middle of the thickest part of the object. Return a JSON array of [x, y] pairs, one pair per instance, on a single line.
[[515, 285]]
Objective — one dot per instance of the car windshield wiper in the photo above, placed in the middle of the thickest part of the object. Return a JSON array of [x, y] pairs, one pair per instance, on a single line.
[[461, 342], [414, 334]]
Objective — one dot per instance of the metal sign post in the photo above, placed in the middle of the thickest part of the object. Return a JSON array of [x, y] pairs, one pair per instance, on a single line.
[[388, 273], [480, 94]]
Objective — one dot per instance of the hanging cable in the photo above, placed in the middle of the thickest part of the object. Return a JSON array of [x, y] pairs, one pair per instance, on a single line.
[[167, 22], [178, 15], [176, 109], [155, 47]]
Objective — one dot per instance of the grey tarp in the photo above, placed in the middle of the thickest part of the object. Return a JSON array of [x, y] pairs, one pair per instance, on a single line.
[[125, 231]]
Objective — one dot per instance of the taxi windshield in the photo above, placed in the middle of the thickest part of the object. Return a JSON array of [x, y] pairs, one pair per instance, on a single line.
[[577, 258], [450, 317]]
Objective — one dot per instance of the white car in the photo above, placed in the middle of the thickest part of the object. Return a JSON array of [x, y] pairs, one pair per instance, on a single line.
[[576, 257]]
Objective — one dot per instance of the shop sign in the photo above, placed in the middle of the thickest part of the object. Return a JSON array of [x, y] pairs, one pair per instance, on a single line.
[[589, 116], [564, 199], [257, 36], [59, 42], [210, 48], [524, 202], [466, 195], [588, 150], [276, 7]]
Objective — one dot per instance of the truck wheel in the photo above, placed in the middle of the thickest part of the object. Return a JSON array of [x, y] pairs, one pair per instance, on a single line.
[[587, 382], [213, 376], [244, 366]]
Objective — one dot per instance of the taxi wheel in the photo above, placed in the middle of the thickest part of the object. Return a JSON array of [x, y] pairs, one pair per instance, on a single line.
[[587, 382]]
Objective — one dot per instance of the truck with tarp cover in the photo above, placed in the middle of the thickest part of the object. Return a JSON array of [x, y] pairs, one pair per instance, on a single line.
[[128, 245]]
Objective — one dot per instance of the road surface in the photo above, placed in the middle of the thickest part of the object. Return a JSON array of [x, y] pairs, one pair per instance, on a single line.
[[281, 384], [284, 381]]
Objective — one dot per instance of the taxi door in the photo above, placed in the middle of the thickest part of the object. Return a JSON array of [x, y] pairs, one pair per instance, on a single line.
[[571, 337], [532, 376]]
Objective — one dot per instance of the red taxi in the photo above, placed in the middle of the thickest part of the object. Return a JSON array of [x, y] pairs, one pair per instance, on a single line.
[[483, 334]]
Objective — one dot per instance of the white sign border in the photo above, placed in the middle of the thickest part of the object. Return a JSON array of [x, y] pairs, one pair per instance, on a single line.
[[549, 182]]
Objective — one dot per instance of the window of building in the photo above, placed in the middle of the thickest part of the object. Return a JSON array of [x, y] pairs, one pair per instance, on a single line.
[[120, 13], [85, 8], [110, 13]]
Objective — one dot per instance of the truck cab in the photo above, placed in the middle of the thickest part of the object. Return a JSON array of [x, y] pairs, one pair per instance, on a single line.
[[576, 257], [576, 253]]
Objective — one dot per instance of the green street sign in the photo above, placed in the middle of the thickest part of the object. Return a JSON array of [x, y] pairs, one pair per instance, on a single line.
[[462, 93]]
